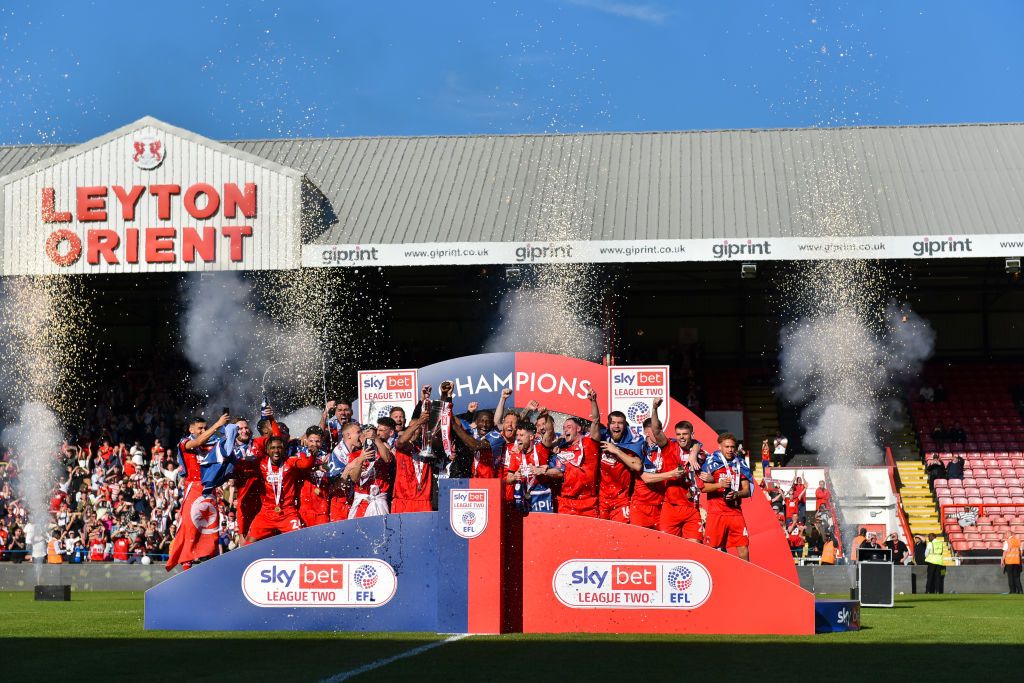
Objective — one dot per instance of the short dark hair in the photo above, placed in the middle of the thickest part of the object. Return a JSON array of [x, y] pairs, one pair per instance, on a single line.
[[648, 422], [387, 422], [279, 439], [261, 423], [573, 418], [616, 413], [528, 426], [684, 424], [483, 411], [195, 419], [727, 436], [315, 429]]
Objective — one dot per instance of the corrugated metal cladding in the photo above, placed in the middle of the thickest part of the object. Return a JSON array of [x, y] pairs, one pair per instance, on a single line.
[[959, 179], [188, 159]]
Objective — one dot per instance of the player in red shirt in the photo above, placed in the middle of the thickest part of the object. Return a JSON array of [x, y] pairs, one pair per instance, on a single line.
[[414, 480], [530, 463], [672, 471], [370, 472], [191, 542], [727, 482], [578, 461], [648, 497], [314, 493], [281, 476], [618, 465], [249, 500]]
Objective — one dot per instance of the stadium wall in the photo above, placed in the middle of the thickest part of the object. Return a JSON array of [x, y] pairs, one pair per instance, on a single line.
[[981, 579]]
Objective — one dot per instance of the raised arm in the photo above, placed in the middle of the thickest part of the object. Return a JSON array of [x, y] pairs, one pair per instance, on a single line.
[[326, 414], [595, 416], [205, 436], [656, 431], [499, 411], [467, 438]]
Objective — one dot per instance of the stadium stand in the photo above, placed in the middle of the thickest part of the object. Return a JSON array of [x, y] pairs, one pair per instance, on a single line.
[[972, 416]]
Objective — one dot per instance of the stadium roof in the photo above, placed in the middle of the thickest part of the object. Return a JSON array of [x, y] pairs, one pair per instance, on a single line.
[[947, 180]]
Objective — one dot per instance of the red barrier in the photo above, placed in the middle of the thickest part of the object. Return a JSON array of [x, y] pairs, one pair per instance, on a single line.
[[582, 574]]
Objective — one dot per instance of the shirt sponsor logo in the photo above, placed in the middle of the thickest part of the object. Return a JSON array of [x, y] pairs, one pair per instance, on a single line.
[[319, 583], [632, 584], [468, 512], [929, 247]]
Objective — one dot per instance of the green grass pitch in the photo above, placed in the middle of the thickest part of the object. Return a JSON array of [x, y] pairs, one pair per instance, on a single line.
[[99, 636]]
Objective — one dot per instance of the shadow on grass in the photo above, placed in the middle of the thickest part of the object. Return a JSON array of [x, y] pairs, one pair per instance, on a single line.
[[612, 658]]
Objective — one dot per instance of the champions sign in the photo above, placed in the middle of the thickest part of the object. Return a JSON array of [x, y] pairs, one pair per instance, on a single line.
[[632, 390], [382, 390], [278, 582], [632, 584], [150, 198]]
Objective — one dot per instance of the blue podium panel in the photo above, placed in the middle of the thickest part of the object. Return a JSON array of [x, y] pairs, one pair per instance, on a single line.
[[834, 616], [370, 574]]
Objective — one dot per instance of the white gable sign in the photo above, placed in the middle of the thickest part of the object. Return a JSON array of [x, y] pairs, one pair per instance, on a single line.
[[150, 198]]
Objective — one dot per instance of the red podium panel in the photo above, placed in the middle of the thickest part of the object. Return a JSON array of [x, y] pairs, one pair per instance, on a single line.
[[584, 575]]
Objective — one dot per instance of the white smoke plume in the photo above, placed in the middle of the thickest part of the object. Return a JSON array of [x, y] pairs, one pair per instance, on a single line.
[[302, 419], [36, 438], [232, 346], [545, 320], [845, 373]]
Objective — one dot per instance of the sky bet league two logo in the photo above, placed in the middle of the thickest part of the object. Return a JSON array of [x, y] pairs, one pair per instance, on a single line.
[[276, 582], [468, 512], [632, 584]]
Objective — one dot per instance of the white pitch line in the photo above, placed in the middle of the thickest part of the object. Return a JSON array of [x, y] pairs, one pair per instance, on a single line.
[[345, 675]]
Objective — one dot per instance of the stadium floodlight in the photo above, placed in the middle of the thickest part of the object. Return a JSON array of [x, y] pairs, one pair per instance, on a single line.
[[1013, 265], [748, 271], [514, 276]]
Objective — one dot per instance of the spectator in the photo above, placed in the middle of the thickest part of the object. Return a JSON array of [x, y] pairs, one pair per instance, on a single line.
[[935, 559], [792, 507], [955, 469], [822, 497], [1011, 562], [898, 548], [920, 549], [857, 540], [781, 446], [934, 469], [18, 548], [957, 434], [777, 497], [795, 532], [870, 543], [828, 552], [815, 542], [766, 458], [799, 492]]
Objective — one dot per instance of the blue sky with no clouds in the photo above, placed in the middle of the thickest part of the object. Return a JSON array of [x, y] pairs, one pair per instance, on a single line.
[[244, 69]]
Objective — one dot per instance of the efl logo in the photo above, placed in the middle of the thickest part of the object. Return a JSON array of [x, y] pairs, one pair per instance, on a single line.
[[319, 583], [650, 378], [402, 381]]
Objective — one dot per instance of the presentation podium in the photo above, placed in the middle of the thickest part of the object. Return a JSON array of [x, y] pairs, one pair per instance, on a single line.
[[474, 567]]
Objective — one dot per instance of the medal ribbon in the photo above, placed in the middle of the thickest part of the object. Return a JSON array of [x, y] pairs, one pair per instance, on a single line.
[[446, 430], [276, 480]]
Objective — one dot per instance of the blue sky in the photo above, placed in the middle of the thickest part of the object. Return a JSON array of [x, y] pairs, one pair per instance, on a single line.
[[73, 70]]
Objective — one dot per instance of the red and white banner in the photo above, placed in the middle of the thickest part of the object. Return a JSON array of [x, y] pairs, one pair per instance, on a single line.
[[382, 390], [632, 390]]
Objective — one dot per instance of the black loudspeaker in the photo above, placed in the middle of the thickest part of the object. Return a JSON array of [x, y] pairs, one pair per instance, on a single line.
[[875, 583], [53, 593]]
